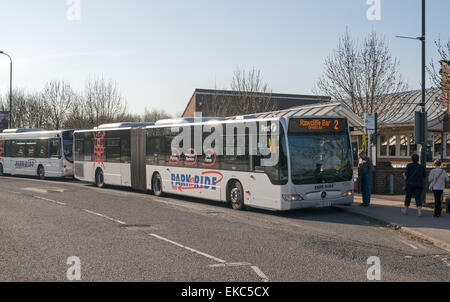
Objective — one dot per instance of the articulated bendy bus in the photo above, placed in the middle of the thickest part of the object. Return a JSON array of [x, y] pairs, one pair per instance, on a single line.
[[109, 153], [35, 152], [278, 163]]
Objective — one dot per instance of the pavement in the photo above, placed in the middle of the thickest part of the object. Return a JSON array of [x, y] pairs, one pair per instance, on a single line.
[[386, 209]]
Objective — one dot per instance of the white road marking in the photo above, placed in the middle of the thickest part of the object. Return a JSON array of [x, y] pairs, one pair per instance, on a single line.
[[36, 190], [260, 273], [50, 200], [230, 264], [103, 216], [409, 244], [44, 190], [256, 269], [189, 248], [222, 262]]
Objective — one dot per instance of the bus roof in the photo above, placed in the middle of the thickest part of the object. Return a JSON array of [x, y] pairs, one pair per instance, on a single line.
[[33, 134], [124, 125], [21, 130]]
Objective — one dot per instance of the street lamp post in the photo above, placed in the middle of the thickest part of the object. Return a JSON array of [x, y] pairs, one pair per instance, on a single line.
[[421, 117], [10, 87]]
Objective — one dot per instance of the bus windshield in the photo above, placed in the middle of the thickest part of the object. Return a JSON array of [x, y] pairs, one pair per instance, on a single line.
[[320, 157]]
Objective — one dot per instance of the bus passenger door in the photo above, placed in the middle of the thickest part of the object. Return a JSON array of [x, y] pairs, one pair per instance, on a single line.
[[138, 146]]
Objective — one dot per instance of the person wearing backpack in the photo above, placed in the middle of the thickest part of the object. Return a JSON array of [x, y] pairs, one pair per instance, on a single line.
[[415, 175], [438, 177]]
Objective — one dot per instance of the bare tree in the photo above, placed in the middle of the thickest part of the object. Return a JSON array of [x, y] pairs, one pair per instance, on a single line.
[[363, 76], [29, 110], [38, 111], [249, 94], [254, 95], [59, 96], [59, 106], [20, 109], [154, 115], [103, 101], [79, 115], [434, 69], [440, 75], [3, 105]]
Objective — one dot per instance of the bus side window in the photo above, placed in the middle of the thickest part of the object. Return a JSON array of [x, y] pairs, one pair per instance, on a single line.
[[42, 146], [31, 149], [55, 147], [20, 149], [8, 149], [125, 151]]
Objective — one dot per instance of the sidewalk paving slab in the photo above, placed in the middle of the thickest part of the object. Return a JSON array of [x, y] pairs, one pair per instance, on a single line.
[[387, 210]]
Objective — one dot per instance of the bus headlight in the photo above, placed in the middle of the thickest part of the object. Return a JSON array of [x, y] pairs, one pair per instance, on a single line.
[[347, 193], [292, 197]]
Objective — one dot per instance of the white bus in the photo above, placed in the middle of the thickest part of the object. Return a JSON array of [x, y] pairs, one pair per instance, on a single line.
[[314, 167], [34, 152], [107, 154]]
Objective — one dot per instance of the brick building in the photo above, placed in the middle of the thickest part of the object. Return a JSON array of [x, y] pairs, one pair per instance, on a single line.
[[395, 143], [214, 103]]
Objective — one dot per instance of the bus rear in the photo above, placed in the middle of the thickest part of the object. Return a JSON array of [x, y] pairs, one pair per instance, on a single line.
[[320, 163]]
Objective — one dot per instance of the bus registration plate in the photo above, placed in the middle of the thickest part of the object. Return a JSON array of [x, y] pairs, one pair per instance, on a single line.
[[322, 204]]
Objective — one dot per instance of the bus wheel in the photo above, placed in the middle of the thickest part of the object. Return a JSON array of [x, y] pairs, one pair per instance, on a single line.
[[1, 170], [157, 185], [41, 172], [99, 179], [236, 196]]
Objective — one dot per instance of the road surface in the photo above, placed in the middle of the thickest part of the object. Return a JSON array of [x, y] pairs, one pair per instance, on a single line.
[[121, 235]]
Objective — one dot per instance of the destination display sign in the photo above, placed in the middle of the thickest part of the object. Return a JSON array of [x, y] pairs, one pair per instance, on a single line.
[[324, 125]]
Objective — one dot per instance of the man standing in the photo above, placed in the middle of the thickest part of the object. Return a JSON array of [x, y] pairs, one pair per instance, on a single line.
[[365, 169]]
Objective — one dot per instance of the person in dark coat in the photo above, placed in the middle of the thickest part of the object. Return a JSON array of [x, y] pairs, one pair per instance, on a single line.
[[365, 169], [415, 175]]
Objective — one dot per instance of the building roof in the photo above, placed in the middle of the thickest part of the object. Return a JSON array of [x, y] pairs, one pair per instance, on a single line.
[[319, 98], [274, 96], [406, 103]]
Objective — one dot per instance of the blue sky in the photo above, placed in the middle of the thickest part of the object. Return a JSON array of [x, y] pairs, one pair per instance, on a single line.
[[160, 51]]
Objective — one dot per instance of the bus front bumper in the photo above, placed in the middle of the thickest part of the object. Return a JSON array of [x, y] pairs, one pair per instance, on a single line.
[[301, 204]]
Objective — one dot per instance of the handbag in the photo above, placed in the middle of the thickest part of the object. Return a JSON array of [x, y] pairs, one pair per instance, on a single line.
[[435, 180]]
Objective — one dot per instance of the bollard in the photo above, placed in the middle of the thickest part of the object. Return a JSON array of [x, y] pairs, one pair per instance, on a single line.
[[390, 183]]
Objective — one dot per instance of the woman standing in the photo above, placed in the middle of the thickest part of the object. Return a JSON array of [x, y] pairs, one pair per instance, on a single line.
[[438, 177], [415, 176]]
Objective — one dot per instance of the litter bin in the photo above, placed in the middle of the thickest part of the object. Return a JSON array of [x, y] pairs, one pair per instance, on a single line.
[[390, 183]]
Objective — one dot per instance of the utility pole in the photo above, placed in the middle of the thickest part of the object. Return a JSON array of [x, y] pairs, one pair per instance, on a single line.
[[420, 133], [10, 87], [423, 159]]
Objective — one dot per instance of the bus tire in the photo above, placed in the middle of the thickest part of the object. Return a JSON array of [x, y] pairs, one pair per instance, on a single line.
[[1, 170], [157, 185], [99, 178], [41, 172], [236, 196]]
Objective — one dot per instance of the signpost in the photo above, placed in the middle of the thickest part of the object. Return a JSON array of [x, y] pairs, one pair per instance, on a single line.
[[371, 125], [370, 122]]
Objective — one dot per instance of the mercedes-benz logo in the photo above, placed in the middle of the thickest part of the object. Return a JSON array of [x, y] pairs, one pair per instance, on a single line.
[[323, 195]]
